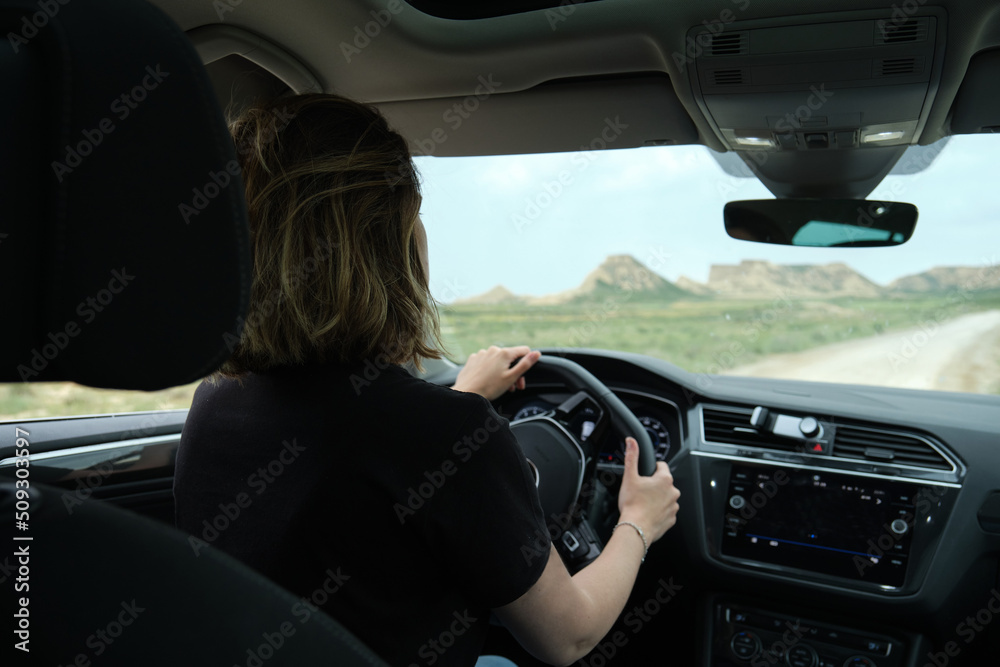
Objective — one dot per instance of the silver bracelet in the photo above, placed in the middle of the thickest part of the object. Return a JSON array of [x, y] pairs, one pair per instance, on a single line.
[[642, 536]]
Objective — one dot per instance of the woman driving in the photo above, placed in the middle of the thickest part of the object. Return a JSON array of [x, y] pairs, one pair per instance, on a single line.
[[401, 508]]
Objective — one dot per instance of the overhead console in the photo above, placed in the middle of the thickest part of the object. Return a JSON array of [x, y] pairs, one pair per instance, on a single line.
[[842, 504], [858, 85]]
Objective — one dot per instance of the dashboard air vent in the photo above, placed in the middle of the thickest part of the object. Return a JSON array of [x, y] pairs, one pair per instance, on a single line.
[[887, 447], [729, 44], [904, 31], [729, 77], [898, 66], [731, 426]]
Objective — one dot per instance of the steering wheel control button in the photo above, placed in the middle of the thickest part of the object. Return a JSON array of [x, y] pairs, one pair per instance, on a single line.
[[899, 527], [877, 646], [801, 655], [737, 502], [745, 645]]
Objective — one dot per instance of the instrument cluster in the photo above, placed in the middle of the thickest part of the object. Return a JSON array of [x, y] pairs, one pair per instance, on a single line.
[[660, 418]]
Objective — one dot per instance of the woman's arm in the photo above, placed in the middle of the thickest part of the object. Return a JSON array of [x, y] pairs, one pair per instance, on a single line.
[[562, 618]]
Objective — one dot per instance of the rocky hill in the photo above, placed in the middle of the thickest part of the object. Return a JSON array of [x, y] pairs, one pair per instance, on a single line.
[[760, 279], [693, 286], [621, 275], [493, 297], [949, 278]]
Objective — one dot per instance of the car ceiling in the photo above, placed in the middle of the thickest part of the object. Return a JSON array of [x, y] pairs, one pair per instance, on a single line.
[[556, 78]]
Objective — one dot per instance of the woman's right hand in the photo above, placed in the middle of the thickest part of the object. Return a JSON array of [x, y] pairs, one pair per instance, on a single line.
[[649, 502]]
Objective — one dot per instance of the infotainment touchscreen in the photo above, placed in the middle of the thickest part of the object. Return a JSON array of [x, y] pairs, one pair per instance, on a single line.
[[841, 525]]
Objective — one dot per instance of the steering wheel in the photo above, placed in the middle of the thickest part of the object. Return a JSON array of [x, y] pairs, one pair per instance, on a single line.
[[558, 457]]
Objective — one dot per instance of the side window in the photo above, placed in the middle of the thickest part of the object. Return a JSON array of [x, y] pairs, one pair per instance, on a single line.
[[67, 399]]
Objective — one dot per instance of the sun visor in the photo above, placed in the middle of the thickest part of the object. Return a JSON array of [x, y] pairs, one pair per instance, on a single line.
[[561, 116], [977, 105]]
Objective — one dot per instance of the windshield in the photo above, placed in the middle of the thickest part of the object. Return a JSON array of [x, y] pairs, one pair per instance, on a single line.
[[626, 250]]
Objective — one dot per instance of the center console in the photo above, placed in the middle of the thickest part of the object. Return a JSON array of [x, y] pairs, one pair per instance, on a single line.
[[831, 518], [851, 531], [847, 527], [746, 636]]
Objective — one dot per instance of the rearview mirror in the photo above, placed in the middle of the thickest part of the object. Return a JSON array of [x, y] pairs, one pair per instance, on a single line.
[[822, 223]]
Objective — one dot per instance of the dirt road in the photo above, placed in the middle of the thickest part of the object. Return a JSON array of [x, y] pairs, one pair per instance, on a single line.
[[958, 355]]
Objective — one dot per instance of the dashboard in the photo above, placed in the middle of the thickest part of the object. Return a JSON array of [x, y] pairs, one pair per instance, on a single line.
[[870, 516], [661, 418], [820, 525]]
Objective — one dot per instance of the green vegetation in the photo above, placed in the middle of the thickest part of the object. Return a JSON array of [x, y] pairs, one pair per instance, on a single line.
[[51, 399], [701, 335]]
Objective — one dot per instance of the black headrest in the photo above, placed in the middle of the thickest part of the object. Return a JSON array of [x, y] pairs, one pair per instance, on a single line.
[[124, 254]]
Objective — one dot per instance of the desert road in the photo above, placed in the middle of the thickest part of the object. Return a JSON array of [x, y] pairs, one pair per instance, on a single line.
[[962, 354]]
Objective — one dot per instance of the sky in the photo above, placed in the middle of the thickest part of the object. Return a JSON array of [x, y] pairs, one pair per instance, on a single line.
[[537, 224]]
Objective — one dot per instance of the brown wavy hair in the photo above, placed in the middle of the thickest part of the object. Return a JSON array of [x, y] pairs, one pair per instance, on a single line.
[[333, 198]]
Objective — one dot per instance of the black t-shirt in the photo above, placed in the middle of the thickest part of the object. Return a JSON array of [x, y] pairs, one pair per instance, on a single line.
[[403, 509]]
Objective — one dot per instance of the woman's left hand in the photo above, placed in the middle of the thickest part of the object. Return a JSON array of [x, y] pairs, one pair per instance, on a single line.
[[489, 372]]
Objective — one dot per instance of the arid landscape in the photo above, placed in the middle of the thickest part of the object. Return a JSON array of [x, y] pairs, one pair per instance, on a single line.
[[935, 330]]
